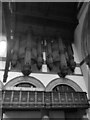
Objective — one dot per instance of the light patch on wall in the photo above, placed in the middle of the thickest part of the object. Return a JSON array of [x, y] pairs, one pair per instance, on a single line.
[[75, 54], [78, 70], [79, 80], [11, 75], [45, 78], [3, 46], [2, 65]]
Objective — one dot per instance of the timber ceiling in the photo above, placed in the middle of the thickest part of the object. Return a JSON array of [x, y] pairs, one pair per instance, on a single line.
[[46, 18]]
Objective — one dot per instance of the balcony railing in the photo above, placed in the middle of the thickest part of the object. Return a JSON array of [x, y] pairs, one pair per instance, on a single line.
[[19, 99]]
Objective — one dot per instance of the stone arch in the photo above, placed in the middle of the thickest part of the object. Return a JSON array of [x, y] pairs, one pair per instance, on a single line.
[[26, 79], [64, 81]]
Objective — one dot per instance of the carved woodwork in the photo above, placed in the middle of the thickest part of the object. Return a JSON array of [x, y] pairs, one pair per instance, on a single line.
[[28, 99]]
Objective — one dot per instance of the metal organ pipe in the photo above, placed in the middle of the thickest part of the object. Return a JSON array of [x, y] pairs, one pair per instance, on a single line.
[[26, 68], [49, 55], [28, 50], [71, 62], [15, 53], [63, 62], [39, 54]]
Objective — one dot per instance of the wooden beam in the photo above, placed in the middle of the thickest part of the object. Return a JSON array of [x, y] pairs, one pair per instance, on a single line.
[[49, 17], [55, 21], [7, 11]]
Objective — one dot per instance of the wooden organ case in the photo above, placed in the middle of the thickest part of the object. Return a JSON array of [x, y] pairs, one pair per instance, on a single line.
[[26, 46]]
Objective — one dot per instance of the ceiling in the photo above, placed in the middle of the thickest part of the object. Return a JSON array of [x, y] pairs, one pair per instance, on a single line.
[[45, 18]]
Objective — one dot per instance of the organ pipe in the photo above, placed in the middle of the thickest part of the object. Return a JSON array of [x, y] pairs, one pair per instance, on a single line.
[[15, 53], [39, 54], [63, 61], [49, 55], [26, 68], [71, 62], [28, 49]]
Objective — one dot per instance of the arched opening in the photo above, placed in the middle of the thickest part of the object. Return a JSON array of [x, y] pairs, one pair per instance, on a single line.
[[63, 84], [25, 85], [63, 88], [27, 82]]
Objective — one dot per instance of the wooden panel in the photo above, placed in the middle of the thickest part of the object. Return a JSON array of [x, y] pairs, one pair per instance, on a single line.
[[34, 99]]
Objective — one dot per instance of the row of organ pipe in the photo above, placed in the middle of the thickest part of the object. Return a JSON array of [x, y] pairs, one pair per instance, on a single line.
[[28, 51]]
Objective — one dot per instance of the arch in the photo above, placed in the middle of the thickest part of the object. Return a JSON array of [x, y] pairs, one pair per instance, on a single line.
[[64, 81], [24, 84], [25, 79], [63, 88]]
